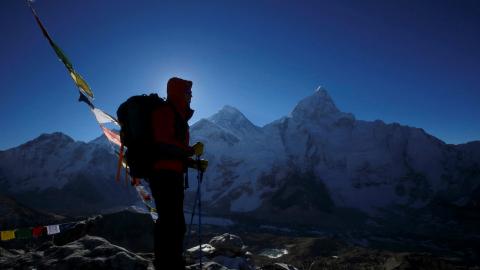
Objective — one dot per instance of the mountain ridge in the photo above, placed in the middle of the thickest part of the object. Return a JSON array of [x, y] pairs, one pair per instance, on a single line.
[[366, 166], [351, 156]]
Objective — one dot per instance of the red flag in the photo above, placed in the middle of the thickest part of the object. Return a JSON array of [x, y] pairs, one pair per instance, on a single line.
[[38, 231], [111, 136]]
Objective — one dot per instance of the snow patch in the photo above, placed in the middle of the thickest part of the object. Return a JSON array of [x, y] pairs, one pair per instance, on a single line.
[[273, 253]]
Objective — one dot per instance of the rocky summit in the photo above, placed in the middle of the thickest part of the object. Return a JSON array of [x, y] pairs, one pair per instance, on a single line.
[[88, 252], [92, 252], [85, 246]]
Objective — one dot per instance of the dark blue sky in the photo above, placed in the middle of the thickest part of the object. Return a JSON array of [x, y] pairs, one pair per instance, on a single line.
[[412, 62]]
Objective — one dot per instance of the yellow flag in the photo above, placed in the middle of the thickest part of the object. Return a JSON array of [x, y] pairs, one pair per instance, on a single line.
[[81, 83], [7, 235]]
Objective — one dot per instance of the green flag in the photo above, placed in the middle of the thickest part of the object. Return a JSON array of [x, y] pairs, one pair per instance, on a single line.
[[79, 81], [62, 57], [23, 233]]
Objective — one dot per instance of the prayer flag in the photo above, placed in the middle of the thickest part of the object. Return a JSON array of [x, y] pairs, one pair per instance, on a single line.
[[143, 193], [111, 136], [57, 49], [86, 95], [102, 117], [53, 229], [38, 231], [79, 81], [83, 98], [62, 56], [7, 235], [154, 216], [23, 233]]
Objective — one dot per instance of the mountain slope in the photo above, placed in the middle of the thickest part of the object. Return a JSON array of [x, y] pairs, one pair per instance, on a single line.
[[15, 215], [316, 165], [55, 173], [366, 166]]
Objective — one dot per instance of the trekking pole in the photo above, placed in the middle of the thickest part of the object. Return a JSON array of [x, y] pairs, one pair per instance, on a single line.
[[197, 200], [191, 219], [199, 178]]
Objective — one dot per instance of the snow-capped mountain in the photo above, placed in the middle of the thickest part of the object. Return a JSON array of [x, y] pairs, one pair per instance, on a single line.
[[317, 163], [56, 173], [319, 159], [233, 121]]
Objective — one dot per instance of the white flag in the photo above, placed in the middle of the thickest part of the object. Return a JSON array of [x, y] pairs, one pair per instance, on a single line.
[[53, 229], [102, 117], [153, 215]]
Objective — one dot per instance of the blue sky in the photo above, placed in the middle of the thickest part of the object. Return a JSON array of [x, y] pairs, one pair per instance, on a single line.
[[412, 62]]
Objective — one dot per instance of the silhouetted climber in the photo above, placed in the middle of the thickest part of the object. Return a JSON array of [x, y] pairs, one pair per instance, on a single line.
[[156, 134], [171, 140]]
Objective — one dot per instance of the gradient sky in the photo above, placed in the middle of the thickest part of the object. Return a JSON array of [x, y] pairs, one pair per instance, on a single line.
[[412, 62]]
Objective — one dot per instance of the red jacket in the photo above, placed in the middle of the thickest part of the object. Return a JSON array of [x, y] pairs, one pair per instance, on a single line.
[[171, 130]]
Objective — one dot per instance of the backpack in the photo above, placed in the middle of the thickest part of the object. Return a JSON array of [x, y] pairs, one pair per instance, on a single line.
[[136, 132]]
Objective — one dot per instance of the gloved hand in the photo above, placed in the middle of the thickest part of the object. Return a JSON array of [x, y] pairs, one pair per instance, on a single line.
[[197, 149], [202, 164]]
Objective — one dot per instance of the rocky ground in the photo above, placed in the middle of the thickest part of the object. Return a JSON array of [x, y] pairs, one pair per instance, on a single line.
[[103, 242]]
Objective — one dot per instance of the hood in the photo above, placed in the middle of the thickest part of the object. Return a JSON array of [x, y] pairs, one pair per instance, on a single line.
[[176, 94]]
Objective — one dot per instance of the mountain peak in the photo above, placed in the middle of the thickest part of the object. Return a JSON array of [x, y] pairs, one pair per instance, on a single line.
[[233, 120], [55, 136], [315, 106], [230, 109], [227, 113], [322, 91]]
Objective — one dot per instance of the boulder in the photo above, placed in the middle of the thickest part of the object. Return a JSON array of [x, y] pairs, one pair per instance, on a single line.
[[192, 254], [228, 244], [88, 252]]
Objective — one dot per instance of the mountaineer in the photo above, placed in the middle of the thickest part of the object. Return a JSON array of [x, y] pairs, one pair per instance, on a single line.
[[156, 134], [171, 138]]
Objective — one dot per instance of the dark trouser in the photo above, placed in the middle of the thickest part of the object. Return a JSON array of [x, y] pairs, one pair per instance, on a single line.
[[167, 190]]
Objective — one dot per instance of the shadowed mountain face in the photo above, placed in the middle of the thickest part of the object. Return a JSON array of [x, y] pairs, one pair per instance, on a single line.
[[55, 173], [318, 166], [15, 215]]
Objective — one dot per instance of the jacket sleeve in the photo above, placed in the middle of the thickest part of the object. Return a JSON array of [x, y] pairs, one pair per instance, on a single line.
[[166, 145]]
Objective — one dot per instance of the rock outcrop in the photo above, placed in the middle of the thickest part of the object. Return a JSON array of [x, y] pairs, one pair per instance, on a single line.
[[88, 252]]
